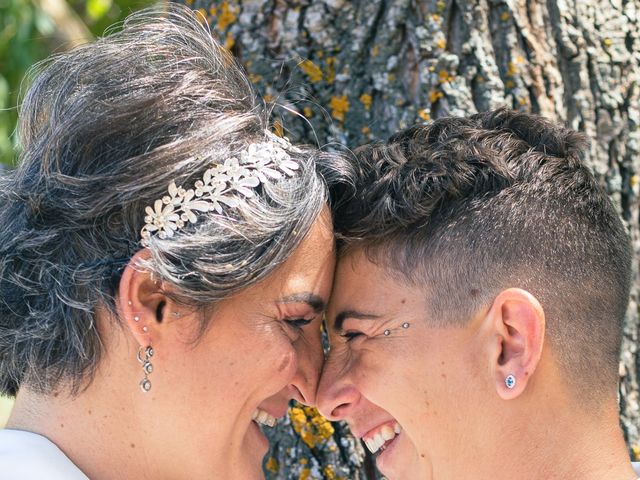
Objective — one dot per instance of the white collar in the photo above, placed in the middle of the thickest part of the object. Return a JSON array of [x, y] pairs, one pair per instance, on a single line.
[[29, 456]]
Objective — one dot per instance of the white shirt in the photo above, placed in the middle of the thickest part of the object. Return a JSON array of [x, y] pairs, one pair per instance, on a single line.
[[29, 456]]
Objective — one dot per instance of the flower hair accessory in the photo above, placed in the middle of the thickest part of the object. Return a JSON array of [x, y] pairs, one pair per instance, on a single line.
[[219, 186]]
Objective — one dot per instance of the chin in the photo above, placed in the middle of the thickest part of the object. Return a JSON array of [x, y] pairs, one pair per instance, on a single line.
[[254, 449], [400, 461]]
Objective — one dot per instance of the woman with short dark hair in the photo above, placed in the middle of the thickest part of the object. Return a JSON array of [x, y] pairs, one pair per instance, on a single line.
[[478, 306], [164, 262]]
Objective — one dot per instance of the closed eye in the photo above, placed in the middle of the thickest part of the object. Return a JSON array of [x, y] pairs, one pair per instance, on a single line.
[[350, 335], [298, 322]]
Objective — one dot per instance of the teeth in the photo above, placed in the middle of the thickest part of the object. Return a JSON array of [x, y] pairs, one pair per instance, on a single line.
[[263, 418], [385, 434]]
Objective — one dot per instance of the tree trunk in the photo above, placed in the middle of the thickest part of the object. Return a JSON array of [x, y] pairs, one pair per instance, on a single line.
[[349, 72]]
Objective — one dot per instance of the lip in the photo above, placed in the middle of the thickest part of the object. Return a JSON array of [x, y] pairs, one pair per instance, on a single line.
[[277, 413], [362, 432], [276, 408], [384, 459], [261, 438]]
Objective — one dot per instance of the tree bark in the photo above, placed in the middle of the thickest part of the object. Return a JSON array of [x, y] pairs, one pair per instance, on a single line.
[[349, 72]]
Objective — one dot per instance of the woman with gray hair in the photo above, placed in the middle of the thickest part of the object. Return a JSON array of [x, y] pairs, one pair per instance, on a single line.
[[164, 263]]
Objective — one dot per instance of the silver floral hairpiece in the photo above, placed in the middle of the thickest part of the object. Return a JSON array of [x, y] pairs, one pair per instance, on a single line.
[[219, 185]]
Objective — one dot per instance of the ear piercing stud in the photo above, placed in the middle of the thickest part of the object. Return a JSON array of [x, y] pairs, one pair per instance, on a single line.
[[136, 318], [510, 381]]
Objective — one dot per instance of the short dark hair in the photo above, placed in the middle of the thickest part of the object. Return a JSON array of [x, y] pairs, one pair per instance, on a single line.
[[467, 207]]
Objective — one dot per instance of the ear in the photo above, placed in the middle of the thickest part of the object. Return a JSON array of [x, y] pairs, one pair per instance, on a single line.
[[518, 321], [142, 302]]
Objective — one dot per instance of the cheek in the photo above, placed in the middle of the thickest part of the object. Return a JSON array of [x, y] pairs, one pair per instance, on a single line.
[[387, 376], [278, 363], [286, 364], [375, 374]]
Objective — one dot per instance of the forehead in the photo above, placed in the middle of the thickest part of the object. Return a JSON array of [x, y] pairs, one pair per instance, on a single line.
[[364, 286], [310, 266]]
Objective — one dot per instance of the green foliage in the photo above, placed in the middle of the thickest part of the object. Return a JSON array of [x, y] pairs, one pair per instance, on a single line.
[[22, 29], [26, 37], [98, 15]]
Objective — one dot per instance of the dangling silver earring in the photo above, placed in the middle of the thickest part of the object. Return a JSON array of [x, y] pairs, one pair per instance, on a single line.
[[510, 381], [147, 367]]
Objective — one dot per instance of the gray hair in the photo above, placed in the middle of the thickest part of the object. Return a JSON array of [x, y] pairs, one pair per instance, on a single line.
[[105, 128]]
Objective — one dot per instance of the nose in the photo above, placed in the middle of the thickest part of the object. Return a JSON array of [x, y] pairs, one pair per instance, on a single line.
[[304, 384], [336, 396]]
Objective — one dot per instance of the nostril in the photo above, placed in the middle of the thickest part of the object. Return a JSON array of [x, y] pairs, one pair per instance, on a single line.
[[297, 394], [340, 412]]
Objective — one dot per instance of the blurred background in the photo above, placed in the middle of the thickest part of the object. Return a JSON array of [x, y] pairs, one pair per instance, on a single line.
[[31, 30], [348, 72]]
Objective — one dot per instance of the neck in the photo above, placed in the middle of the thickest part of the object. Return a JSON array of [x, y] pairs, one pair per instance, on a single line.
[[554, 442], [112, 430]]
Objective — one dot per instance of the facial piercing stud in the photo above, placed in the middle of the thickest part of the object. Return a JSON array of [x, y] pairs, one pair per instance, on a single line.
[[177, 314], [406, 325], [145, 329], [387, 333], [510, 381], [136, 318], [129, 303]]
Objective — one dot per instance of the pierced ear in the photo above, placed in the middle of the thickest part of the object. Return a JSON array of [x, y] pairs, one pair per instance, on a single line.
[[141, 301], [519, 323]]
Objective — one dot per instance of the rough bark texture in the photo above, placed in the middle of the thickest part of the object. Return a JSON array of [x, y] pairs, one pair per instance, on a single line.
[[349, 72]]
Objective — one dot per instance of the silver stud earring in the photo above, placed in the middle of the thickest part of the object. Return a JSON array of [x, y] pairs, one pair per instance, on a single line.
[[136, 318], [406, 325], [510, 381], [147, 367], [129, 303], [145, 329], [177, 314], [387, 333]]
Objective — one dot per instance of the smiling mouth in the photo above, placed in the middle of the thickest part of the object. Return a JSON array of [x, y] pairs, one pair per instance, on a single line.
[[378, 439], [263, 418]]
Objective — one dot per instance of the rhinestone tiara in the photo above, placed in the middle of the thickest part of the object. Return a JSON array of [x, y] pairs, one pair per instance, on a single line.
[[220, 185]]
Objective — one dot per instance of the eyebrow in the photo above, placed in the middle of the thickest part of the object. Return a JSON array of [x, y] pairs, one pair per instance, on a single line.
[[342, 316], [314, 301]]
